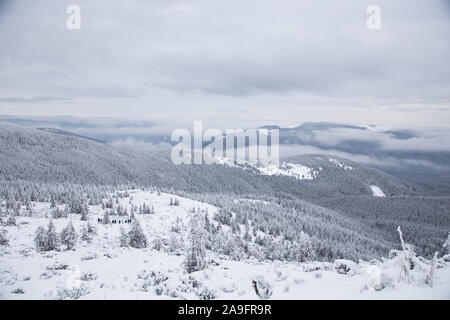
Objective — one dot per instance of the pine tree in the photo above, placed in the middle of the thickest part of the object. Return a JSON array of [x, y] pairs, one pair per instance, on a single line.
[[47, 239], [69, 236], [40, 238], [85, 234], [106, 219], [136, 236], [53, 239], [196, 252], [123, 238], [84, 212]]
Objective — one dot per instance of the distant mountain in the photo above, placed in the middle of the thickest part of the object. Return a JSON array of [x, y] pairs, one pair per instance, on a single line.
[[335, 200], [67, 133], [391, 150], [42, 155]]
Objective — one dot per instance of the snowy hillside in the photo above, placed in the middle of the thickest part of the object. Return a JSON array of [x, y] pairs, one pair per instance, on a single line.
[[102, 266]]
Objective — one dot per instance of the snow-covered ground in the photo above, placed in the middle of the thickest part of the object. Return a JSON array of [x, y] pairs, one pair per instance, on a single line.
[[296, 170], [377, 192], [101, 269]]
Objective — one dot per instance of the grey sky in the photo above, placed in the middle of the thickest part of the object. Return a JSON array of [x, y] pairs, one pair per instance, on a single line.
[[229, 63]]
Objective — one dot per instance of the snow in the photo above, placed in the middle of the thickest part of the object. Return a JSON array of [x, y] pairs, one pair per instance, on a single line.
[[296, 170], [377, 192], [103, 270], [340, 164]]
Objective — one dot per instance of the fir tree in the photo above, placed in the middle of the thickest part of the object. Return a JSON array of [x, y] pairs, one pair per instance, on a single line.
[[47, 239], [196, 252], [136, 236], [69, 236], [123, 238]]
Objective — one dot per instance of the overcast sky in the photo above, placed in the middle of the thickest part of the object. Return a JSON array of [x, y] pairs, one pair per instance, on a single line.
[[229, 63]]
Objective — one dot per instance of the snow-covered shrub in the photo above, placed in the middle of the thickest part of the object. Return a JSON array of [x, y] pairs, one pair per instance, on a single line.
[[196, 252], [157, 244], [64, 293], [89, 256], [151, 279], [88, 276], [344, 266], [58, 213], [57, 266], [69, 236], [11, 221], [47, 239], [136, 237], [263, 289], [178, 226], [3, 239], [18, 291], [377, 280], [207, 294]]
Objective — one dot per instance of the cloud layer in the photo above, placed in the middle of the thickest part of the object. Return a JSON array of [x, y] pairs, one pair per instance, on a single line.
[[257, 61]]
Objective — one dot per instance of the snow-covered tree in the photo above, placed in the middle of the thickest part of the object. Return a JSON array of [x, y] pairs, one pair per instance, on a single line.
[[432, 269], [406, 253], [196, 252], [40, 238], [69, 236], [136, 237], [87, 232], [84, 213], [123, 238], [106, 219], [47, 239]]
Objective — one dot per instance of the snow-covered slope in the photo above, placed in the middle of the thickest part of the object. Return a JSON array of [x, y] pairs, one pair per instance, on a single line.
[[101, 269], [377, 192]]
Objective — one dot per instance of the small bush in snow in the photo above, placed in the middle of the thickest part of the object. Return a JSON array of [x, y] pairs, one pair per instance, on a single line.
[[377, 280], [59, 213], [69, 236], [88, 276], [18, 291], [136, 237], [263, 289], [47, 239], [64, 293], [318, 275], [3, 239], [11, 221], [207, 294], [89, 256], [123, 238], [343, 266], [150, 279]]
